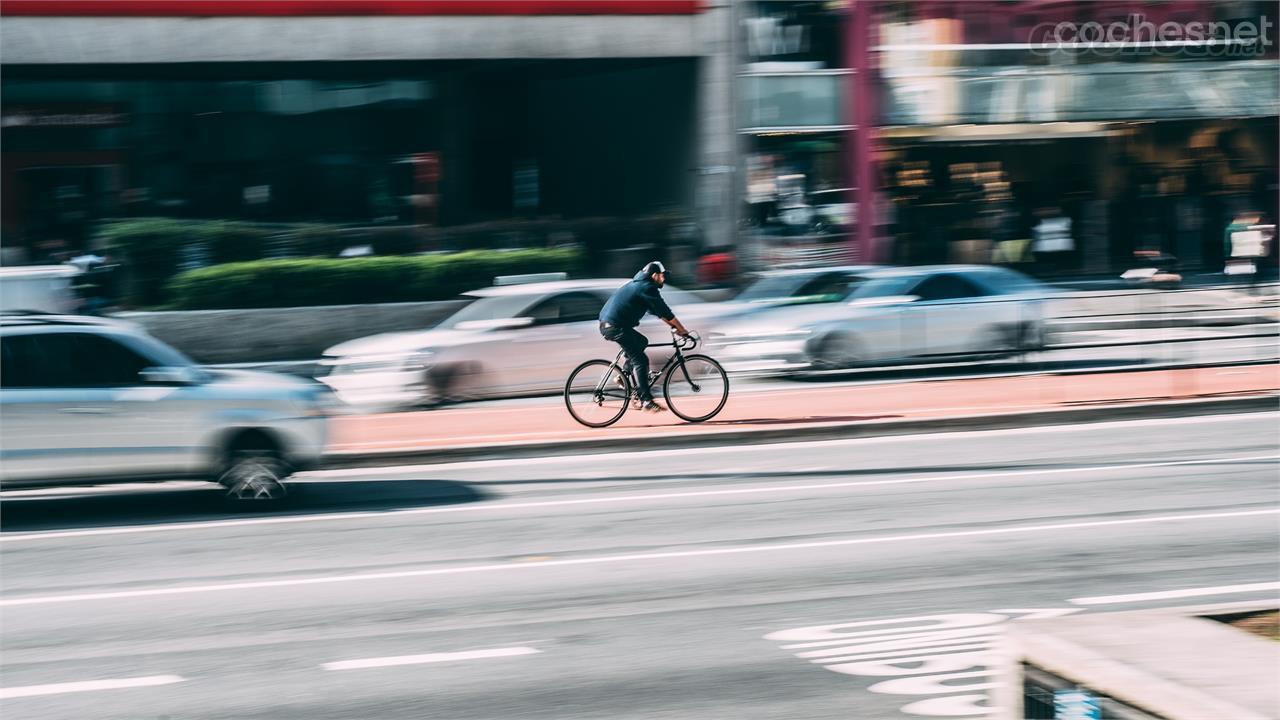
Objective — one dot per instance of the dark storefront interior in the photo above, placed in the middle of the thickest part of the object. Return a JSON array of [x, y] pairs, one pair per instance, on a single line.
[[370, 143], [1170, 187]]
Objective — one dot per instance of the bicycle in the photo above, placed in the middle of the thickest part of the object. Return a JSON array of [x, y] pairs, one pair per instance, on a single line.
[[598, 392]]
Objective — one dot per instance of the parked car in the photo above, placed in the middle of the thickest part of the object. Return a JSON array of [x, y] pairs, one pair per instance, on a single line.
[[519, 339], [88, 400], [894, 315]]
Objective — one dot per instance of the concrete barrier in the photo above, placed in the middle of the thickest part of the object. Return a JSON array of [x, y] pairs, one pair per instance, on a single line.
[[275, 334], [301, 333]]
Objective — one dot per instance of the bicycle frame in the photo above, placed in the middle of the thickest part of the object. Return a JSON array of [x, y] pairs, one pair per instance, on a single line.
[[676, 359]]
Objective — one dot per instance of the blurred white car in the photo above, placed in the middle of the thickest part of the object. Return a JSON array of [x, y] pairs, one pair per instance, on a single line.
[[89, 400], [895, 315], [509, 340]]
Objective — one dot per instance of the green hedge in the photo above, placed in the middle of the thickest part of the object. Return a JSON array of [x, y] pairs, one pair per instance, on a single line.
[[296, 283]]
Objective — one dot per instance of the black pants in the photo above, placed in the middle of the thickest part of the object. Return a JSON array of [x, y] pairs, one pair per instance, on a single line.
[[633, 344]]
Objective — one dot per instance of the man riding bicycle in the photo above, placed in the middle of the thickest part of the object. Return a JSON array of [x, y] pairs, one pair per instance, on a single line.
[[621, 315]]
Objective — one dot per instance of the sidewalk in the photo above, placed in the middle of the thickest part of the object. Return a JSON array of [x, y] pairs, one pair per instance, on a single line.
[[799, 411]]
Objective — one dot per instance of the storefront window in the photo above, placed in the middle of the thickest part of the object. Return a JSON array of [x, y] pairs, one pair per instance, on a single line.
[[282, 150], [786, 100]]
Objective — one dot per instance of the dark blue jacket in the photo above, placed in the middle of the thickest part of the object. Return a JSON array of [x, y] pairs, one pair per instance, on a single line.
[[631, 301]]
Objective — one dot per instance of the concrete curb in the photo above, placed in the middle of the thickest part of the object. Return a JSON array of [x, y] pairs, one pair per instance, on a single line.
[[1174, 663], [825, 431]]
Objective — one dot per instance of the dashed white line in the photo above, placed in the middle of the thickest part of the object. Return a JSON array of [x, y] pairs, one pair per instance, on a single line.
[[608, 559], [89, 686], [429, 658], [1170, 594], [617, 499]]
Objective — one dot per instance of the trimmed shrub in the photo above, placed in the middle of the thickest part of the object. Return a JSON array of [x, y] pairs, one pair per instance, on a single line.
[[316, 281]]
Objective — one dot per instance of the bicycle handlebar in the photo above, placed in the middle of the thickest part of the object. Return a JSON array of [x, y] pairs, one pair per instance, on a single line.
[[688, 342]]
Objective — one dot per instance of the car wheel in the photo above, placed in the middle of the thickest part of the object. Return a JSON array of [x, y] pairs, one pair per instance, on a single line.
[[996, 341], [255, 475], [836, 352], [1033, 337]]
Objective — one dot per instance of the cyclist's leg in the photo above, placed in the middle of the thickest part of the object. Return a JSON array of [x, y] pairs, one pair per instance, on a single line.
[[634, 344]]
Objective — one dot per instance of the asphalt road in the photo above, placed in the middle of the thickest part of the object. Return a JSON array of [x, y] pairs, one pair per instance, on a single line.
[[657, 584]]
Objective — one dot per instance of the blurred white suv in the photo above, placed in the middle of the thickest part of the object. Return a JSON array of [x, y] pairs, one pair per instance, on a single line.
[[90, 400]]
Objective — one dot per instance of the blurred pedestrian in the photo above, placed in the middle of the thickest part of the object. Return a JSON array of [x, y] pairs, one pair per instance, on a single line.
[[1246, 242], [1052, 242]]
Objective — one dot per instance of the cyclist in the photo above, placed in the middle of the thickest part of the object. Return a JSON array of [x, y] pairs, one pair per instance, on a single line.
[[619, 317]]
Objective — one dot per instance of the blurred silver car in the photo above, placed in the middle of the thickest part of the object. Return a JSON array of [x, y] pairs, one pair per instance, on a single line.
[[88, 400], [894, 315], [509, 340], [800, 286]]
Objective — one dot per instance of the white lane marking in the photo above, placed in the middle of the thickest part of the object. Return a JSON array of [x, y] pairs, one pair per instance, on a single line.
[[1168, 594], [613, 499], [89, 686], [428, 658], [606, 559]]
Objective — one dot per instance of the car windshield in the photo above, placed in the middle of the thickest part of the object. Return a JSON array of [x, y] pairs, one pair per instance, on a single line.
[[1011, 281], [488, 308], [772, 287], [884, 286]]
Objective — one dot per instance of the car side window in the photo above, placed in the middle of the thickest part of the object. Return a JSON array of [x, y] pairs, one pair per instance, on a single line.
[[69, 360], [19, 364], [39, 361], [110, 362], [946, 287], [580, 307], [831, 286], [566, 308]]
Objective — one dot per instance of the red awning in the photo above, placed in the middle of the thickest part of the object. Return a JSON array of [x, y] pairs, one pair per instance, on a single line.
[[313, 8]]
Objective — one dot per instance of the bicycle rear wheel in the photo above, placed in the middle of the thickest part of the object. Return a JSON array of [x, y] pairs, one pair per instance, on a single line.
[[700, 394], [597, 393]]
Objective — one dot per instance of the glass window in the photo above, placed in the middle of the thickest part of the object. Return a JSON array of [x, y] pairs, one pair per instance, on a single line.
[[69, 360], [18, 363], [772, 288], [946, 287], [828, 287], [488, 308], [792, 100], [884, 287], [570, 307], [105, 362]]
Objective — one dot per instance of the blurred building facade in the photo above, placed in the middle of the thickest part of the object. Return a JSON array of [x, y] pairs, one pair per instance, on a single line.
[[798, 130], [435, 112], [1112, 114], [970, 123]]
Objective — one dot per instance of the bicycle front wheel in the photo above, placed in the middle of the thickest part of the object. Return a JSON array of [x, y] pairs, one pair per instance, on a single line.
[[597, 393], [697, 392]]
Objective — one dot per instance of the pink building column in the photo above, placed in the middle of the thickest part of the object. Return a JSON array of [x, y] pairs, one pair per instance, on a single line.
[[860, 108]]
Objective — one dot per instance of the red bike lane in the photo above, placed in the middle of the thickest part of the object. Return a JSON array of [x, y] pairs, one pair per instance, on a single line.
[[809, 406]]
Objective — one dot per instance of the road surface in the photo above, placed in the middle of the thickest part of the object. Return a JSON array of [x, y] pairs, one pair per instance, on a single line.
[[696, 583]]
